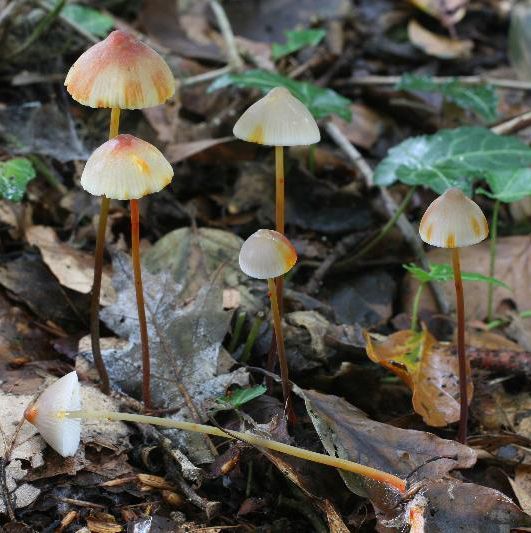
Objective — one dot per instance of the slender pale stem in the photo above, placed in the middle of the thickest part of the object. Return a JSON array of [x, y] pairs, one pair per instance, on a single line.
[[98, 268], [343, 464], [279, 188], [492, 262], [277, 323], [135, 255], [463, 378], [415, 310]]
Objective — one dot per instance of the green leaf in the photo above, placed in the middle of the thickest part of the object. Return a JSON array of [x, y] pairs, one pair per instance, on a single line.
[[89, 19], [321, 102], [452, 158], [241, 396], [15, 175], [296, 40], [481, 99], [444, 272], [508, 185]]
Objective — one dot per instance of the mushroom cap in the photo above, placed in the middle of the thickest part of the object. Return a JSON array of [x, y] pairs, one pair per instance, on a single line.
[[453, 221], [120, 71], [125, 168], [278, 119], [61, 433], [267, 254]]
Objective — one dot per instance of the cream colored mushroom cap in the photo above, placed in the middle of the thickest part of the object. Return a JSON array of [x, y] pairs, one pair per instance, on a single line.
[[278, 119], [120, 71], [453, 221], [126, 168], [267, 254], [61, 433]]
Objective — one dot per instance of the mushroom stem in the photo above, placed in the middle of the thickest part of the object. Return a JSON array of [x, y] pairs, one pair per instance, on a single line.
[[98, 268], [135, 255], [492, 262], [277, 323], [463, 378], [343, 464], [279, 175]]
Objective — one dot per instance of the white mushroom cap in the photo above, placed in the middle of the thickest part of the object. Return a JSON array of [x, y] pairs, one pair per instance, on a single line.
[[61, 433], [125, 168], [453, 221], [267, 254], [278, 119], [120, 71]]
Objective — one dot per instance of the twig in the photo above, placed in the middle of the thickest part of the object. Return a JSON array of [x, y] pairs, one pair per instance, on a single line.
[[408, 231], [233, 56], [513, 124], [206, 76], [468, 80]]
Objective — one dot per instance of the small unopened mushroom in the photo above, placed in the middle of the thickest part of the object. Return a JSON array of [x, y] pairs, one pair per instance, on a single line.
[[267, 254], [127, 168], [119, 72], [47, 415], [454, 221]]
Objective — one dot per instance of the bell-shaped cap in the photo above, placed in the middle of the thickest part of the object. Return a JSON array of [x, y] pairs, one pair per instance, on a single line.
[[126, 168], [47, 415], [120, 71], [267, 254], [453, 221], [278, 119]]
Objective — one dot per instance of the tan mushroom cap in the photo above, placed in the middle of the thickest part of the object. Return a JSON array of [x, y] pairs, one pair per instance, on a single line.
[[453, 221], [267, 254], [126, 168], [278, 119], [120, 71]]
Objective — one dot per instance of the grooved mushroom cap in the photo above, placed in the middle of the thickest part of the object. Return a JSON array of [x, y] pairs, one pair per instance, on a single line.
[[267, 254], [120, 71], [278, 119], [61, 433], [453, 221], [125, 168]]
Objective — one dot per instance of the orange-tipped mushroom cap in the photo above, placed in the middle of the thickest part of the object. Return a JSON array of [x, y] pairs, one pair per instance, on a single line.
[[453, 221], [125, 168], [267, 254], [278, 119], [47, 415], [120, 71]]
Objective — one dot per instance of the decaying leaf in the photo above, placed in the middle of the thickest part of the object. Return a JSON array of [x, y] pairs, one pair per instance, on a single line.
[[521, 485], [73, 268], [365, 127], [427, 369], [447, 11], [182, 151], [437, 45], [346, 432]]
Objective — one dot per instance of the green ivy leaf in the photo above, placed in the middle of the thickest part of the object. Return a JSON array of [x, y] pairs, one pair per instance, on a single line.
[[296, 40], [321, 102], [242, 396], [15, 175], [452, 158], [444, 272], [89, 19], [508, 185], [481, 99]]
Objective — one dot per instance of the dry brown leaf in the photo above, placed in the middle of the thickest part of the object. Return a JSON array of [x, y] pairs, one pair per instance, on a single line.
[[365, 127], [437, 45], [521, 485], [449, 12], [182, 151], [427, 369], [73, 268]]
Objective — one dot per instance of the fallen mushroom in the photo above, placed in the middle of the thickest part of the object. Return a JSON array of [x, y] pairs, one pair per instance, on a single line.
[[267, 254], [454, 221], [119, 72], [127, 168], [57, 416]]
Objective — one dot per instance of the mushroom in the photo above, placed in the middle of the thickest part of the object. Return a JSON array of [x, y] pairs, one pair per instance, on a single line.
[[454, 221], [127, 168], [61, 433], [119, 72], [267, 254], [57, 415]]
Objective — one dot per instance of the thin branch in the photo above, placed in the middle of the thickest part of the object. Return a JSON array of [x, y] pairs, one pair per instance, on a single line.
[[233, 57], [513, 125]]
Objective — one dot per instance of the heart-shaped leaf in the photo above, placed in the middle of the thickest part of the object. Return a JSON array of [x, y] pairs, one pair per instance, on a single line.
[[296, 40], [15, 175], [508, 185]]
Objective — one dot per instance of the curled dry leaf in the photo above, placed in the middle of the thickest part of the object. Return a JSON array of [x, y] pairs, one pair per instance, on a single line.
[[449, 12], [521, 485], [73, 268], [426, 368], [437, 45], [365, 127]]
